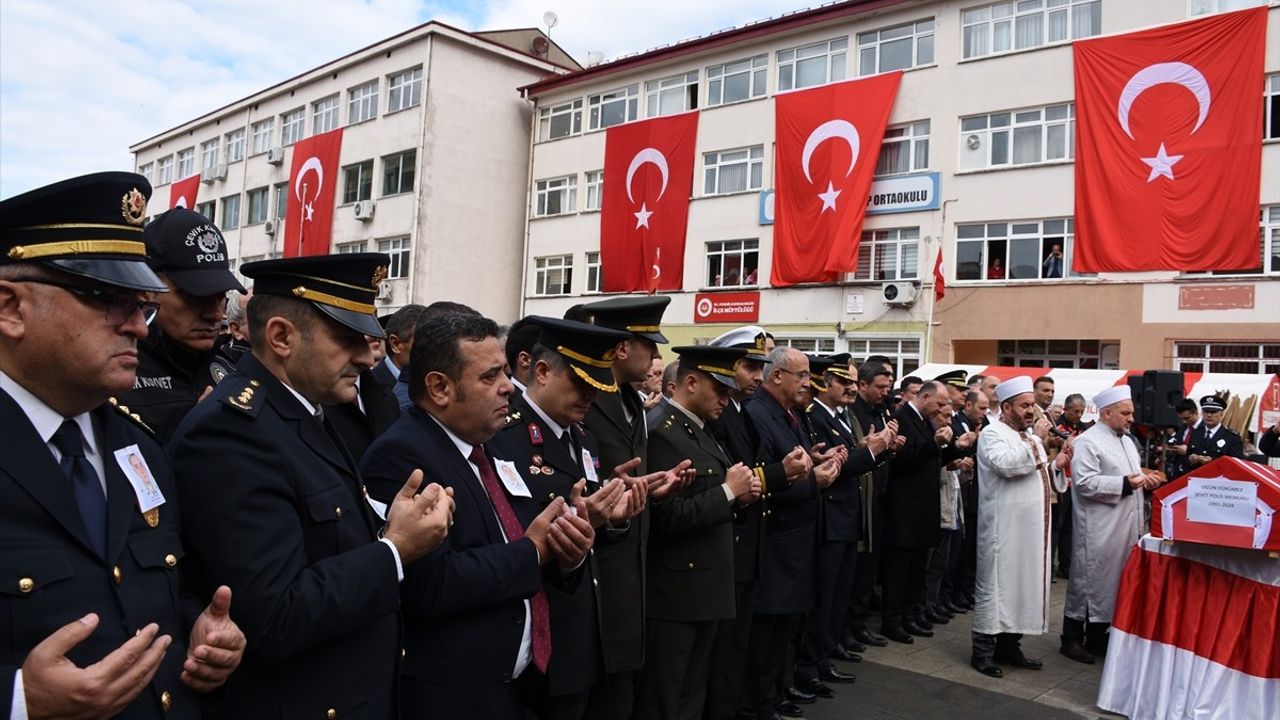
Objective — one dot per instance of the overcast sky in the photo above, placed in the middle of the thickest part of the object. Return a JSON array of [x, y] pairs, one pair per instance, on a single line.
[[81, 80]]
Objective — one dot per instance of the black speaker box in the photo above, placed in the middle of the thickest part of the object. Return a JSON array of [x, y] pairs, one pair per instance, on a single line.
[[1161, 393]]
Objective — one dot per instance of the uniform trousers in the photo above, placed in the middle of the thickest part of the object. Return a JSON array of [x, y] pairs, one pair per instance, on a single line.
[[904, 584], [614, 697], [866, 571], [837, 563], [942, 563], [673, 683], [729, 656], [766, 655]]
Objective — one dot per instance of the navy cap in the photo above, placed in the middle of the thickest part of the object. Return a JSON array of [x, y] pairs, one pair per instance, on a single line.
[[1214, 403], [749, 337], [340, 286], [954, 378], [191, 251], [817, 370], [89, 226], [840, 366], [587, 348], [718, 362], [637, 315]]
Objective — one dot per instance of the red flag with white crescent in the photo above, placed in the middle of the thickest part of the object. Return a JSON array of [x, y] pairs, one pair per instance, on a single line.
[[648, 180], [828, 141], [1169, 156], [309, 205], [183, 193], [939, 277]]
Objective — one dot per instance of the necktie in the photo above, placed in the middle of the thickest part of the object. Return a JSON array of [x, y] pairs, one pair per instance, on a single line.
[[541, 634], [85, 484], [793, 422]]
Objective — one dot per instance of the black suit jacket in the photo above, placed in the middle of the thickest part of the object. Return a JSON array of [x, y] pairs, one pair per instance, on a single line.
[[43, 540], [737, 435], [912, 504], [464, 602], [577, 659], [842, 500], [1225, 442], [281, 519], [359, 429]]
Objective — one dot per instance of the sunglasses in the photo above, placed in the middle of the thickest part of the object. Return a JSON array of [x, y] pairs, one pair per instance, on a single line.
[[120, 305]]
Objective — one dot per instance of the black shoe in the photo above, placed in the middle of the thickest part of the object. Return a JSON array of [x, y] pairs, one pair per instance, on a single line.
[[1018, 660], [953, 608], [816, 687], [786, 708], [958, 601], [866, 637], [921, 622], [1096, 649], [799, 697], [845, 654], [832, 675], [1074, 650], [917, 630], [987, 667], [897, 634], [933, 616], [853, 645]]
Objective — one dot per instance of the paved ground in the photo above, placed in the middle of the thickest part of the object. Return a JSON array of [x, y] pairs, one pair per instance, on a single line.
[[932, 679]]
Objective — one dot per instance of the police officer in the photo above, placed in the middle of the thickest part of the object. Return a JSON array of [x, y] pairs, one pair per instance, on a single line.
[[1212, 439], [88, 509], [190, 255], [282, 516]]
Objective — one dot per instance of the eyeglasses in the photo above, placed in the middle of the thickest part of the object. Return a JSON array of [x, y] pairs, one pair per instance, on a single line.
[[802, 374], [119, 304]]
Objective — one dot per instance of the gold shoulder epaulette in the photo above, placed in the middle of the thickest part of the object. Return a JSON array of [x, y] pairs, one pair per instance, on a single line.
[[248, 399], [137, 419], [512, 418]]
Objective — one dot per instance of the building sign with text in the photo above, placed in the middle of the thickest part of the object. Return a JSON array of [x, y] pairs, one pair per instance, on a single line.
[[903, 193], [731, 307]]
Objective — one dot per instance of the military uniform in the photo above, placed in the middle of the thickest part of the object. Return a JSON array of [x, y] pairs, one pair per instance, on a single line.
[[169, 383], [1221, 441]]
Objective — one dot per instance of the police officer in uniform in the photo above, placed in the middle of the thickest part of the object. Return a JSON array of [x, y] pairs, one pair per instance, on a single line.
[[1212, 439], [88, 510], [281, 513], [174, 361]]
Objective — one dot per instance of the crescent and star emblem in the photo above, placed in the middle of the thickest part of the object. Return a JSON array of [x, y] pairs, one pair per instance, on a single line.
[[843, 130], [299, 187], [651, 156], [1175, 73], [182, 203]]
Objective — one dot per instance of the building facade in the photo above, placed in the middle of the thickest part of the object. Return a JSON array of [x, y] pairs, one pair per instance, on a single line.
[[977, 163], [434, 160]]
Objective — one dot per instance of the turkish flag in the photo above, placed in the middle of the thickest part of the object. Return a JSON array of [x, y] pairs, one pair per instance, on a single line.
[[1169, 156], [828, 142], [648, 180], [939, 277], [309, 205], [183, 193]]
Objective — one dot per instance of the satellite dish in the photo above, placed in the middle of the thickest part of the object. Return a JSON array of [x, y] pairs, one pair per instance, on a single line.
[[540, 46], [550, 19]]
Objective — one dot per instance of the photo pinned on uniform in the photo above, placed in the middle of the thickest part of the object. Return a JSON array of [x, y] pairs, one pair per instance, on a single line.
[[135, 469], [511, 479], [589, 467]]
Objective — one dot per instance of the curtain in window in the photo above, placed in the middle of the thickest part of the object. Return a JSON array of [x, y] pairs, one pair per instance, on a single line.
[[733, 178]]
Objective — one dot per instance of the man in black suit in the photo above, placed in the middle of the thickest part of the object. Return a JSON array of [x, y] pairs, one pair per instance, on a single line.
[[1213, 440], [97, 622], [282, 515], [359, 423], [522, 336], [972, 418], [477, 622], [399, 344], [559, 458], [913, 509], [691, 586]]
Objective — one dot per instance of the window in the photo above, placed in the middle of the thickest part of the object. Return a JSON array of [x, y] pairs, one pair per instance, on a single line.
[[262, 133], [730, 171], [594, 280], [1008, 26], [896, 48], [1035, 250], [613, 107], [891, 254], [671, 95], [324, 115], [1049, 353], [145, 170], [811, 345], [905, 149], [258, 200], [398, 171], [357, 182], [208, 210], [210, 155], [733, 263], [739, 80], [595, 191], [557, 196], [282, 199], [186, 163], [404, 90], [398, 249], [230, 212], [1271, 108], [362, 102], [811, 65], [164, 170], [293, 124], [559, 121], [1227, 357], [235, 146], [1205, 7], [904, 353], [1020, 137], [553, 275], [350, 248]]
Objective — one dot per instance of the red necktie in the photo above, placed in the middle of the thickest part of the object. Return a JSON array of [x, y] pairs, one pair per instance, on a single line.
[[541, 634]]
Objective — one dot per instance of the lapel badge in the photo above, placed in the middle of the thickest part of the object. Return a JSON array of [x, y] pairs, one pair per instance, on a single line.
[[152, 517], [535, 434], [534, 469], [536, 459], [546, 470], [1222, 443]]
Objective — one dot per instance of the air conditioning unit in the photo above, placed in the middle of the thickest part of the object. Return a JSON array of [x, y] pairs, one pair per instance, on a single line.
[[220, 172], [271, 226], [899, 293], [384, 292], [275, 155], [364, 210]]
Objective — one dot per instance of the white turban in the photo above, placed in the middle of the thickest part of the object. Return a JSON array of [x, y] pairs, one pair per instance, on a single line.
[[1013, 386], [1111, 396]]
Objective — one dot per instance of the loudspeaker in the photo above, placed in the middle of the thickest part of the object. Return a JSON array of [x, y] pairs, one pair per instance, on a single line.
[[1135, 394], [1161, 393]]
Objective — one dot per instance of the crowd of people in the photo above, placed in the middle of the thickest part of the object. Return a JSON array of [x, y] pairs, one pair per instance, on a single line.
[[429, 515]]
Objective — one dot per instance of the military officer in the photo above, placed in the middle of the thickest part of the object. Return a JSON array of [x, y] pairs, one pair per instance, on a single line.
[[1212, 439], [282, 517], [88, 511], [691, 584]]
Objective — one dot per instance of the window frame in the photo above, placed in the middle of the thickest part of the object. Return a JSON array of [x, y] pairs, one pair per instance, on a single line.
[[364, 182], [147, 170], [1185, 361], [1039, 353], [722, 251], [594, 276], [281, 205], [1007, 123], [164, 170], [548, 114], [396, 86], [412, 173], [264, 211], [915, 139], [542, 271], [879, 241], [185, 165], [990, 21], [350, 248], [264, 130], [713, 164], [366, 101], [811, 344], [628, 95], [1271, 107], [546, 187], [788, 59], [399, 249], [1005, 232], [917, 35], [656, 91], [905, 361], [593, 191], [326, 114], [230, 205], [214, 146], [212, 216], [293, 126], [235, 140], [719, 75]]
